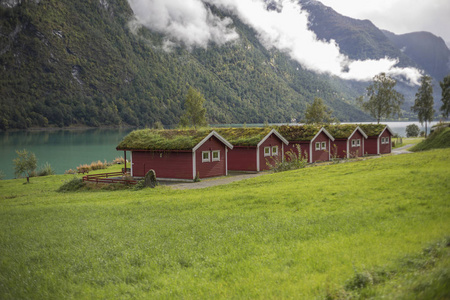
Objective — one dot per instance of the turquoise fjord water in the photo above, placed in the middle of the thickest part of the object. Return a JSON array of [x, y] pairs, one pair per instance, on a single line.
[[67, 149], [62, 149]]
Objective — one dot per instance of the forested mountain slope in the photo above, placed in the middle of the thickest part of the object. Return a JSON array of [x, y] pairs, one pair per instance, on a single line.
[[77, 62], [73, 62], [429, 51]]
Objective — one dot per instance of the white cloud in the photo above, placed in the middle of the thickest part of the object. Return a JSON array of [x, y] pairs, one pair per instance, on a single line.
[[189, 22], [193, 24]]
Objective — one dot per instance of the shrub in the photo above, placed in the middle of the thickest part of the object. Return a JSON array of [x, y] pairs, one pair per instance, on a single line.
[[72, 185], [292, 161], [70, 171], [46, 170], [119, 160], [412, 130]]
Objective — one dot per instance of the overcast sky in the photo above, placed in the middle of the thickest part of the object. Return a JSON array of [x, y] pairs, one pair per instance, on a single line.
[[399, 16]]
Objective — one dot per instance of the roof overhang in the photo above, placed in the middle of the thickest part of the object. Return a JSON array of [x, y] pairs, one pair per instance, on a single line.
[[360, 130], [388, 129], [326, 133], [211, 134], [277, 134]]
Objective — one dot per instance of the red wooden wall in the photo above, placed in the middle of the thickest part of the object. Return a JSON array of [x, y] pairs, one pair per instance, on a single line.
[[323, 154], [242, 159], [271, 141], [356, 151], [166, 164], [212, 168]]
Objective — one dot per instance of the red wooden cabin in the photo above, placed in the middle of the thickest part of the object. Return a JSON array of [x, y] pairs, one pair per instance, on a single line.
[[379, 140], [314, 141], [348, 140], [177, 154], [254, 148]]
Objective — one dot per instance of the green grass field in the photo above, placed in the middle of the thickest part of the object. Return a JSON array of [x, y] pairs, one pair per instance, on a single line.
[[407, 141], [375, 228]]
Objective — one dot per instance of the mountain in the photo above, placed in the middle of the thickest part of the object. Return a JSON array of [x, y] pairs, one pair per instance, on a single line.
[[73, 62], [358, 39], [427, 50]]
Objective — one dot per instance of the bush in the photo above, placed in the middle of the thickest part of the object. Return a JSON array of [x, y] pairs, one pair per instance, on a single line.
[[412, 130], [46, 170], [71, 186], [292, 161]]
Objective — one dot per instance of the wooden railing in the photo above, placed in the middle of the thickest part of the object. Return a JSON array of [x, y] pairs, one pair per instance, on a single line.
[[105, 178]]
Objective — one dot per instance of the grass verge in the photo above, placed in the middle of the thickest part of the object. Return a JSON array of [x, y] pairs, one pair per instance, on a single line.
[[296, 234]]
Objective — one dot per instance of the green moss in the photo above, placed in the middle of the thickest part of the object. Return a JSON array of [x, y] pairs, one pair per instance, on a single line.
[[299, 133], [244, 136], [150, 139], [342, 131], [372, 129]]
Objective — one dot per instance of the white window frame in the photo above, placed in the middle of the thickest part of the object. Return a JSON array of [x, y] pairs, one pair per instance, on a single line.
[[353, 143], [324, 146], [208, 159], [266, 151], [218, 155], [358, 143], [274, 150], [318, 146]]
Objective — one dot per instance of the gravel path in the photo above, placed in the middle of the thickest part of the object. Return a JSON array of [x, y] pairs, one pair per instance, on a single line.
[[402, 150], [215, 181]]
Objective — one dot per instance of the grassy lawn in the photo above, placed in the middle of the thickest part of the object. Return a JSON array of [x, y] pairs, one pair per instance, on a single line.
[[407, 141], [329, 231]]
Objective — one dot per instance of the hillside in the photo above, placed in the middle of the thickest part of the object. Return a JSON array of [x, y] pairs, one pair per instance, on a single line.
[[378, 227], [439, 138], [72, 62], [429, 51]]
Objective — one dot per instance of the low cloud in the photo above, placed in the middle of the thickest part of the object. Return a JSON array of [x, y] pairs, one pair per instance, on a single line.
[[188, 22], [191, 22]]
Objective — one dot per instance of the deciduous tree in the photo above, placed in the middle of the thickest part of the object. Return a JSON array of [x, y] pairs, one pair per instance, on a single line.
[[445, 86], [195, 113], [412, 130], [25, 163], [318, 113], [384, 101], [423, 104]]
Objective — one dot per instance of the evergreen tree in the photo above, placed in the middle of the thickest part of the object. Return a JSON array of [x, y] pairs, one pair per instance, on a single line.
[[423, 104], [318, 113], [384, 101], [25, 163], [445, 86], [195, 113]]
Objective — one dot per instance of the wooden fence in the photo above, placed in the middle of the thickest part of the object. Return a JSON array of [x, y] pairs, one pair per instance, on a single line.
[[117, 177]]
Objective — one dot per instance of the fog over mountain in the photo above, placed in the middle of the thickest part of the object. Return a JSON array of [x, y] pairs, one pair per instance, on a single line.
[[284, 28]]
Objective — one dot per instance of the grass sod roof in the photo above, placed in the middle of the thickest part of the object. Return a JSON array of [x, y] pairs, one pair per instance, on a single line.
[[372, 129], [299, 133], [244, 136], [174, 139], [341, 131]]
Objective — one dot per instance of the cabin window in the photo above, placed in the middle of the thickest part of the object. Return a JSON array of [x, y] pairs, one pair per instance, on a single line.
[[324, 145], [266, 151], [274, 150], [353, 143], [216, 155], [318, 146], [358, 142], [205, 156]]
